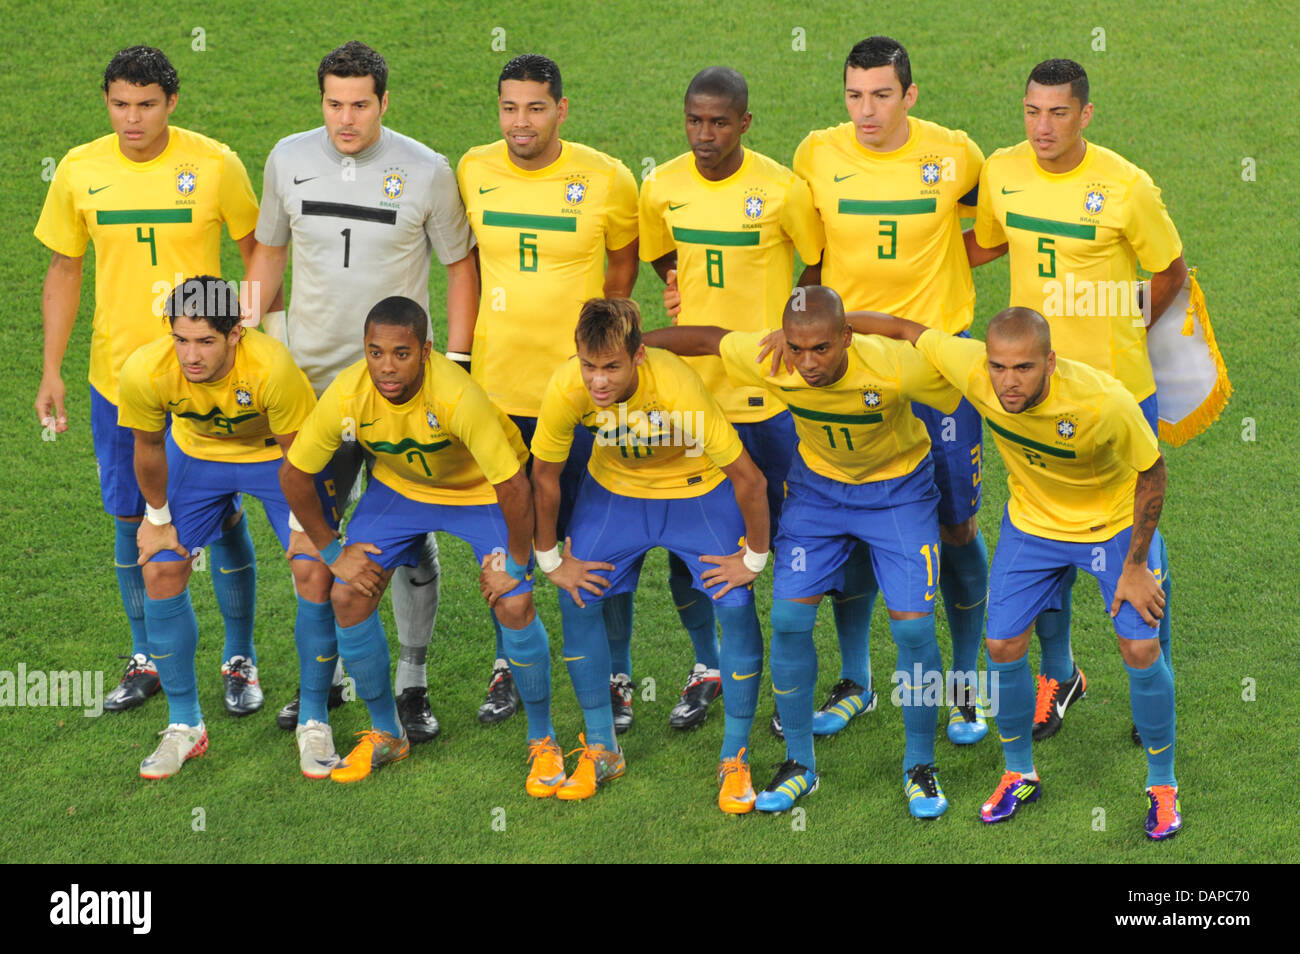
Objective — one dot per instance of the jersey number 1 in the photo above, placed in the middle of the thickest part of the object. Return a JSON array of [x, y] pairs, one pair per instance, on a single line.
[[347, 246]]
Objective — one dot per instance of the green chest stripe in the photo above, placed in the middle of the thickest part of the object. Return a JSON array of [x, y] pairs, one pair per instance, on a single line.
[[871, 417], [1028, 223], [715, 237], [216, 417], [404, 445], [144, 216], [887, 207], [1045, 448], [543, 223]]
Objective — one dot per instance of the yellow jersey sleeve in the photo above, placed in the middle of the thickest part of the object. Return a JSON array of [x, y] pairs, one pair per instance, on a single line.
[[960, 360], [621, 216], [141, 408], [800, 221], [562, 408], [238, 202], [1150, 230], [287, 393], [60, 228], [988, 230], [477, 424], [1124, 428], [972, 169]]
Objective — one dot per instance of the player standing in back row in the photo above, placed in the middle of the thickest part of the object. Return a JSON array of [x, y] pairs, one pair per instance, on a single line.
[[364, 208]]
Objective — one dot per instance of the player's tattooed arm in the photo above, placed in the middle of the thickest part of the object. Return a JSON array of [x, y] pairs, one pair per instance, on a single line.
[[977, 254], [1137, 585], [687, 340], [1165, 286], [60, 297], [151, 475]]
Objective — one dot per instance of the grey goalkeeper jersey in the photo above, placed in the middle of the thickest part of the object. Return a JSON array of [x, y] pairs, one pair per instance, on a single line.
[[363, 228]]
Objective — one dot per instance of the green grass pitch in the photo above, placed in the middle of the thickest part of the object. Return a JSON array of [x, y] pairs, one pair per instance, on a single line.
[[1199, 97]]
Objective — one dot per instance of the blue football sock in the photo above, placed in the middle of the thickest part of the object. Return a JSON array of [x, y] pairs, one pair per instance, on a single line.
[[853, 606], [964, 581], [1166, 621], [318, 651], [618, 627], [529, 654], [1151, 696], [696, 612], [1053, 630], [234, 579], [173, 639], [130, 581], [500, 636], [918, 656], [586, 653], [1013, 696], [364, 649], [794, 676], [742, 667]]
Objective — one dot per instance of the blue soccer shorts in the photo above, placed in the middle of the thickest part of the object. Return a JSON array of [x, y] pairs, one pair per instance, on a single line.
[[114, 459], [771, 445]]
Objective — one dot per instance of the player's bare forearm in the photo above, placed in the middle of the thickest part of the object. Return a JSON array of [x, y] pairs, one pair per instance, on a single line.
[[1148, 501], [887, 326], [263, 281], [812, 274], [621, 269], [687, 340], [300, 492], [462, 303], [516, 501], [151, 466], [60, 297], [664, 264], [546, 502], [750, 488], [1165, 286], [247, 249], [977, 254]]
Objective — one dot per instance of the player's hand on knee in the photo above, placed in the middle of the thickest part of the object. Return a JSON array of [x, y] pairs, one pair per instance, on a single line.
[[355, 568], [774, 344], [1139, 588], [672, 296], [300, 545], [728, 570], [494, 581], [153, 539], [574, 575]]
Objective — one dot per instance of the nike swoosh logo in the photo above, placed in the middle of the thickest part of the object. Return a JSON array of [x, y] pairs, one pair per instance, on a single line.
[[483, 191], [842, 178], [368, 423], [929, 597], [958, 606], [1157, 751], [515, 663], [573, 658], [177, 403], [124, 566], [297, 181], [674, 208], [164, 656], [1003, 738], [100, 189], [784, 692], [331, 659], [1006, 191], [236, 570], [735, 675], [424, 582]]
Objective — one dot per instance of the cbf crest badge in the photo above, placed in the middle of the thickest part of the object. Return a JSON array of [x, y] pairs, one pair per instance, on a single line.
[[871, 398], [930, 170], [575, 190], [432, 419], [1067, 425], [187, 180], [754, 206], [1094, 200], [243, 397], [394, 183]]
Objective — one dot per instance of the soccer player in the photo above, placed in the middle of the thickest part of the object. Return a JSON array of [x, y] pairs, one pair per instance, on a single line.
[[863, 475], [364, 208], [236, 399], [891, 190], [445, 459], [720, 225], [666, 470], [1076, 219], [1087, 485], [151, 197], [556, 224]]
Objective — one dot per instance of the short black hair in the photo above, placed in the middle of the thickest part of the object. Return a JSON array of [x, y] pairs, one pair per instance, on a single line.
[[881, 51], [143, 66], [1058, 73], [724, 82], [354, 58], [607, 324], [1018, 323], [533, 68], [400, 311], [205, 296]]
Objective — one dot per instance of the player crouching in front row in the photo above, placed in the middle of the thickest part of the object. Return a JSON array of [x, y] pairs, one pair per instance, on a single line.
[[236, 400], [445, 459]]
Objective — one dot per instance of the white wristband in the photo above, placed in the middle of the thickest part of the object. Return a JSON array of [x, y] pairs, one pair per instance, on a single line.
[[755, 562], [158, 516], [457, 356], [549, 560], [293, 522]]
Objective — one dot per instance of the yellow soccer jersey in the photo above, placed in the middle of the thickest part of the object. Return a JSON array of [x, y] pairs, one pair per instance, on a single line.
[[860, 429], [233, 420], [667, 441], [1072, 460], [893, 220], [153, 224], [735, 243], [447, 445], [1075, 241], [542, 238]]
